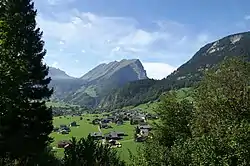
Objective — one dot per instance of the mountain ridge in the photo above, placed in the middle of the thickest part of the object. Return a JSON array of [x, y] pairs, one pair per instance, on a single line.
[[98, 82], [57, 73]]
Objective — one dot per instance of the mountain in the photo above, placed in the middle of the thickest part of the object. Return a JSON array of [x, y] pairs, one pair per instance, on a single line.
[[56, 74], [89, 89], [62, 83], [186, 75], [105, 71]]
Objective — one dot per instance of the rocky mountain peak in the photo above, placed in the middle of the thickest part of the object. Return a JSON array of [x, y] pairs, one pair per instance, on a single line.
[[56, 73]]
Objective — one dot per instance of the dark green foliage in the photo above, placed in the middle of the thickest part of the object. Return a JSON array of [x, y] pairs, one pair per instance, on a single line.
[[222, 119], [87, 152], [214, 130], [47, 158], [25, 120]]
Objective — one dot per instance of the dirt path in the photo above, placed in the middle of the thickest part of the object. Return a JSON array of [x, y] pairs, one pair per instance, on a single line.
[[98, 127]]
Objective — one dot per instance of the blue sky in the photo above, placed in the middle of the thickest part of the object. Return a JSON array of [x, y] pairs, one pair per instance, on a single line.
[[163, 34]]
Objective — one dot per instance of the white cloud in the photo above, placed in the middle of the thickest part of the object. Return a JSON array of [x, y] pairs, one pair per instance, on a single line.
[[116, 49], [247, 17], [57, 2], [113, 38], [158, 70], [61, 43], [54, 64]]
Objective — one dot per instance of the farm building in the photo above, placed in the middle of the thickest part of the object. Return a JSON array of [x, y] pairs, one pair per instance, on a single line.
[[63, 143], [104, 125], [144, 132], [120, 134], [63, 126], [56, 129], [73, 124], [119, 122], [96, 135], [148, 127], [136, 120], [114, 143], [106, 120], [64, 132], [112, 135], [96, 121]]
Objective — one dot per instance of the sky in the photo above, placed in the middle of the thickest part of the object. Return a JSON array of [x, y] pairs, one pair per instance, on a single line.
[[163, 34]]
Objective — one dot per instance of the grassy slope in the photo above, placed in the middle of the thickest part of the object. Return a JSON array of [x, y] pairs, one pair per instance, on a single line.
[[184, 93]]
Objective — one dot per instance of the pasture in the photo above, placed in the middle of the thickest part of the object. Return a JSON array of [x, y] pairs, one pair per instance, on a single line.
[[85, 127]]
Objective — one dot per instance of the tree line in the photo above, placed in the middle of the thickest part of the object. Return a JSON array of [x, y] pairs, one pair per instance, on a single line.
[[212, 130]]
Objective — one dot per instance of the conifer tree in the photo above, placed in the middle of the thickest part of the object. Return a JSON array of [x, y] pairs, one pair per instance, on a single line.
[[25, 122]]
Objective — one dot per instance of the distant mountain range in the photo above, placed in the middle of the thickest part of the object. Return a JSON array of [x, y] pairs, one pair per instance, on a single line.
[[125, 83], [89, 89]]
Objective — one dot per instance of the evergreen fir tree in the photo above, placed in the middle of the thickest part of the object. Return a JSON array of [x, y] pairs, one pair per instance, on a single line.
[[25, 122]]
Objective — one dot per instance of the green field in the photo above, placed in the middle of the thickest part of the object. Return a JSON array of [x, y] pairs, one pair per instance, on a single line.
[[85, 128]]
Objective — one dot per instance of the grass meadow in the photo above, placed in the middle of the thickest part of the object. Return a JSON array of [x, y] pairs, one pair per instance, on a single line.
[[85, 127]]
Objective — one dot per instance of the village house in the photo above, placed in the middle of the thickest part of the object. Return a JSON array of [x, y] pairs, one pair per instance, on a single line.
[[64, 127], [64, 131], [144, 132], [119, 122], [114, 143], [121, 134], [141, 135], [96, 135], [63, 143], [96, 121], [106, 120], [137, 120], [104, 125], [112, 135], [73, 124], [151, 116], [111, 118], [148, 127], [56, 129]]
